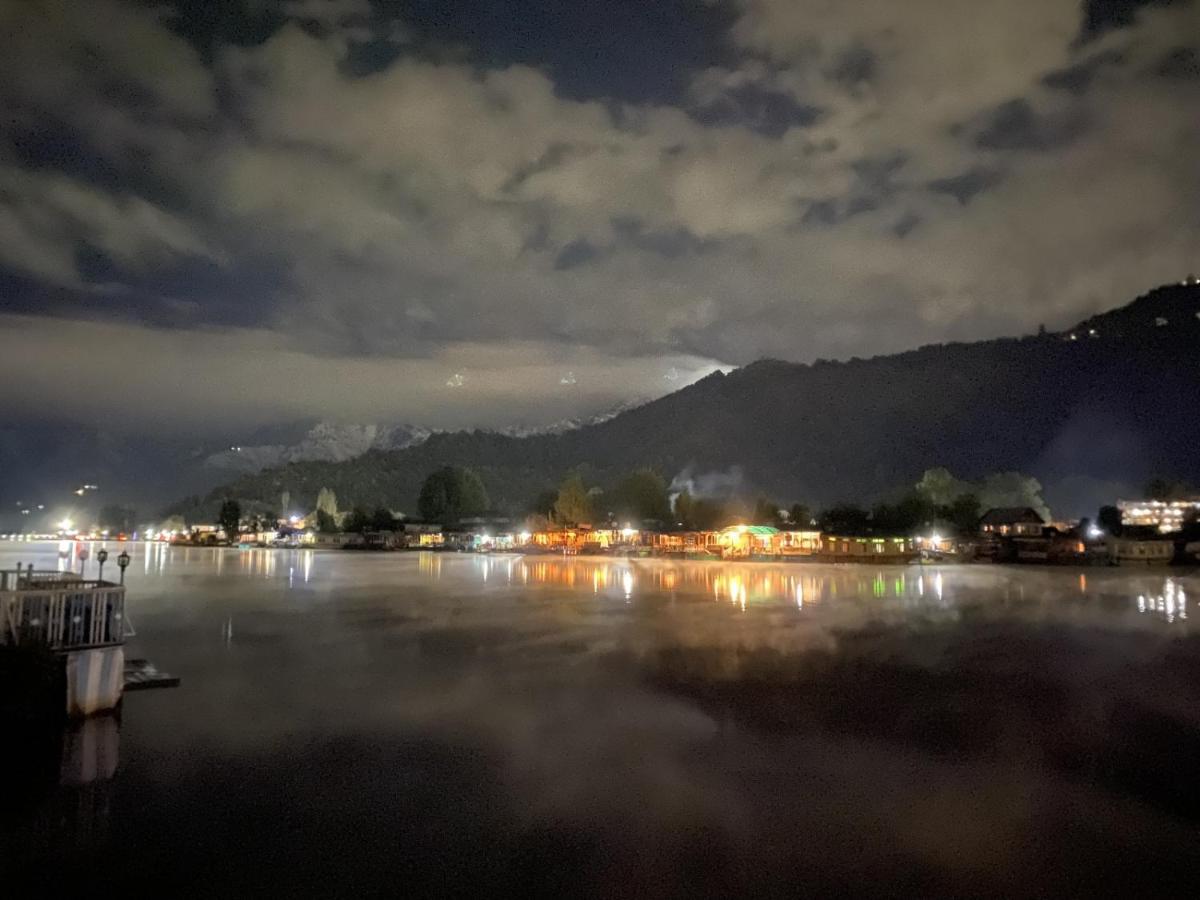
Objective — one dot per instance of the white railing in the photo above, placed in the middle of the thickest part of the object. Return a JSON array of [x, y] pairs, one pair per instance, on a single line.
[[60, 611]]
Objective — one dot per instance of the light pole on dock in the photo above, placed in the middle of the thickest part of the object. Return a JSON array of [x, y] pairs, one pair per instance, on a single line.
[[123, 563]]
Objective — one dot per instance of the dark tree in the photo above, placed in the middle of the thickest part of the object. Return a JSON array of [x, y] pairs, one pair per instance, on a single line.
[[383, 520], [543, 503], [326, 523], [359, 521], [1110, 519], [681, 509], [230, 519], [639, 496], [450, 494], [766, 512], [963, 514], [913, 513], [699, 513], [800, 515], [845, 518]]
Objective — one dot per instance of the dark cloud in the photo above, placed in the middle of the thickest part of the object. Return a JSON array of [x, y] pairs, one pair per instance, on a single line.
[[577, 253], [1076, 78], [854, 66], [668, 244], [965, 186], [1015, 125], [404, 189], [1181, 62], [905, 225], [770, 113]]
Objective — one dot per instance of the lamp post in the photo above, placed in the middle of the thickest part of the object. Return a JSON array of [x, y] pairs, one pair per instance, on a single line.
[[101, 558], [123, 564]]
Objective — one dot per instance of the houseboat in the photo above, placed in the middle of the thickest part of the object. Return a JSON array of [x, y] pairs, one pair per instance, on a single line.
[[1136, 551], [836, 549]]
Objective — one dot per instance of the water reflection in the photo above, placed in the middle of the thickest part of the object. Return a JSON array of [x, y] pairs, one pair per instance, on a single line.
[[1170, 603], [742, 585], [806, 587]]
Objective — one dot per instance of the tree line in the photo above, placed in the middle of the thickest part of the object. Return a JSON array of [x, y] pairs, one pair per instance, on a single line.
[[643, 498]]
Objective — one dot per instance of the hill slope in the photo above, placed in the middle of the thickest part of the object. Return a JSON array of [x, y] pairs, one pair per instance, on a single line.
[[1109, 402]]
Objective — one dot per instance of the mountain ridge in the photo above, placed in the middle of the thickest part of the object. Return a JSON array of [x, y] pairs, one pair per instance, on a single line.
[[1092, 405]]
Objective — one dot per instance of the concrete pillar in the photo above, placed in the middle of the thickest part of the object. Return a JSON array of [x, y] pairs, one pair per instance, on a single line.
[[95, 680]]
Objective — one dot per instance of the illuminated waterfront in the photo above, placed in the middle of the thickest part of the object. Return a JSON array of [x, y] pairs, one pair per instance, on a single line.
[[354, 721]]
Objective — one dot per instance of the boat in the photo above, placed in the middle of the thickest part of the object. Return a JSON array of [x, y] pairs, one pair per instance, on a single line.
[[1132, 551]]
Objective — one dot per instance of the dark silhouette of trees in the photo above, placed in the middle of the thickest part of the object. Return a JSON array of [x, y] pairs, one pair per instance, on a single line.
[[963, 514], [1110, 519], [543, 503], [326, 523], [383, 520], [641, 496], [800, 515], [845, 518], [450, 494], [766, 512], [359, 521], [230, 519]]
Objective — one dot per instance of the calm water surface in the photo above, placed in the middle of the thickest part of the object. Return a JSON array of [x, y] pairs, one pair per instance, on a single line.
[[405, 724]]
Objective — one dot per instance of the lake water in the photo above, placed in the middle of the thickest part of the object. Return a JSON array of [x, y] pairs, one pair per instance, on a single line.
[[408, 724]]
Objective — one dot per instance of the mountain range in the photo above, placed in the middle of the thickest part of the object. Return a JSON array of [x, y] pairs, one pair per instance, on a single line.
[[46, 460], [1093, 412]]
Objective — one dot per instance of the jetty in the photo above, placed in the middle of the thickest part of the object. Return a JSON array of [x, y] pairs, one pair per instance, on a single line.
[[83, 622]]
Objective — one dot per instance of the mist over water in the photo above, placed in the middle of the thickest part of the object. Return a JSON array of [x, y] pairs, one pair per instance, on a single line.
[[430, 723]]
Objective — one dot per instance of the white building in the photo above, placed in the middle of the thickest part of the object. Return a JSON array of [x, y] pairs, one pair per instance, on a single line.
[[1165, 515]]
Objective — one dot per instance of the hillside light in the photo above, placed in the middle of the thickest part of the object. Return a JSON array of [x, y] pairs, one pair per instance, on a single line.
[[123, 564]]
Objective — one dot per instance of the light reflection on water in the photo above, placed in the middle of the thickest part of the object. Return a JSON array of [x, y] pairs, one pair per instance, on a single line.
[[743, 586], [747, 585]]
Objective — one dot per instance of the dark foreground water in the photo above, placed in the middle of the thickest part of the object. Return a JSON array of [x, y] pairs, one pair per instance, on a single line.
[[415, 724]]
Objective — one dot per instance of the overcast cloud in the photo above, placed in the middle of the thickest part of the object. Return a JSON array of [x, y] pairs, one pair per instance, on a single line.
[[330, 208]]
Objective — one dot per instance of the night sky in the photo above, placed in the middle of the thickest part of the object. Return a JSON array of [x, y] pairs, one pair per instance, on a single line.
[[479, 212]]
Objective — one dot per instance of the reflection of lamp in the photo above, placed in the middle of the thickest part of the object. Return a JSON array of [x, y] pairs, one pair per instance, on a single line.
[[123, 564]]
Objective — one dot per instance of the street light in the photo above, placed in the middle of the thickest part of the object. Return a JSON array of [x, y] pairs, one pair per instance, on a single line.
[[101, 558], [123, 564]]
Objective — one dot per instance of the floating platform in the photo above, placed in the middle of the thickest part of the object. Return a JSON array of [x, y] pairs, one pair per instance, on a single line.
[[143, 675]]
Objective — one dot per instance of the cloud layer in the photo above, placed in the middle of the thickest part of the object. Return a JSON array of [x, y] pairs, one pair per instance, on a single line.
[[322, 181]]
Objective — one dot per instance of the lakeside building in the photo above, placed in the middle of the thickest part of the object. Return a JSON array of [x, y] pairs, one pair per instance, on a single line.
[[1016, 521], [685, 542], [748, 540], [1140, 551], [839, 548], [1164, 515]]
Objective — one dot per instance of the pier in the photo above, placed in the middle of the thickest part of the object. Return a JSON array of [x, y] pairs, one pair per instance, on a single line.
[[83, 622]]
